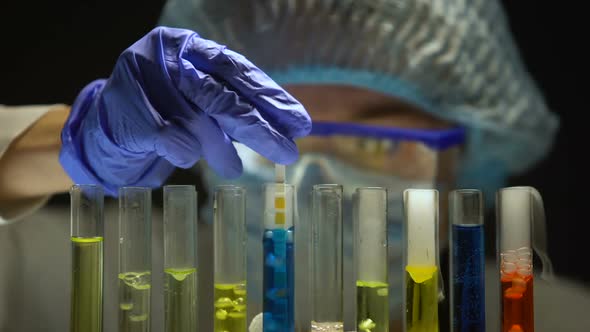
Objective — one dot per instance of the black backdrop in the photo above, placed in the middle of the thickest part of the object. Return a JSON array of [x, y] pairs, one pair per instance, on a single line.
[[51, 49]]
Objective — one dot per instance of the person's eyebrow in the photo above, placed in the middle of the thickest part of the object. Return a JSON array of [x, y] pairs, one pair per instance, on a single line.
[[381, 110], [401, 111], [392, 108]]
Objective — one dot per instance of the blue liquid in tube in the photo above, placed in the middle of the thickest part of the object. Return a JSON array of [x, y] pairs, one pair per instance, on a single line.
[[468, 304], [278, 282]]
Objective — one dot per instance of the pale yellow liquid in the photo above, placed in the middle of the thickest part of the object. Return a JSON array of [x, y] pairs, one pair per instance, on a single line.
[[180, 296], [230, 307], [134, 301], [422, 298], [87, 284], [372, 306]]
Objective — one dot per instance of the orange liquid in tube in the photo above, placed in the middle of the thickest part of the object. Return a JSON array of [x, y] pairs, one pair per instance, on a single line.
[[517, 303], [521, 219]]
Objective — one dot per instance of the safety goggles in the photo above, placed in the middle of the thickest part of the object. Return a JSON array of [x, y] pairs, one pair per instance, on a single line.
[[413, 154]]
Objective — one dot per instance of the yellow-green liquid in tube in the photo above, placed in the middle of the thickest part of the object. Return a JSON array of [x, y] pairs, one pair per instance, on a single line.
[[372, 306], [422, 298], [230, 307], [87, 284], [134, 301], [180, 296]]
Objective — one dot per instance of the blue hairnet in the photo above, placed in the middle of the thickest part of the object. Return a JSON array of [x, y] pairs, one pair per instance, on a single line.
[[453, 58]]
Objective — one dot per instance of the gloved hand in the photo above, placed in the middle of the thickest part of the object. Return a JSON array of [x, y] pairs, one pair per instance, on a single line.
[[173, 98]]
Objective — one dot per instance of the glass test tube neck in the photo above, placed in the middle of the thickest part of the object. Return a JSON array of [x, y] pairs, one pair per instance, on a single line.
[[515, 218], [466, 207], [370, 232], [421, 210], [521, 228], [278, 205], [135, 233], [87, 206], [180, 227], [326, 255], [330, 187], [230, 234]]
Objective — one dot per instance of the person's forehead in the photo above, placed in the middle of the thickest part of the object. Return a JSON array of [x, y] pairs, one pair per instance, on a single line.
[[341, 103]]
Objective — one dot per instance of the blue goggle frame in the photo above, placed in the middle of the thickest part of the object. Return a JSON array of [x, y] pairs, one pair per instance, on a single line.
[[437, 139]]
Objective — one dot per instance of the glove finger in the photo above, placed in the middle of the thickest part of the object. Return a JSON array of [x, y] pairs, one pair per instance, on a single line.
[[238, 118], [277, 106], [178, 146], [185, 141], [247, 127], [217, 148]]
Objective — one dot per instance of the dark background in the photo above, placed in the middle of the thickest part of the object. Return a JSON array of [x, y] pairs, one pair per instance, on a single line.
[[50, 50]]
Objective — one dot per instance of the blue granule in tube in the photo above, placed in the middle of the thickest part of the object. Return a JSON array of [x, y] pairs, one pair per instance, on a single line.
[[468, 297], [278, 283]]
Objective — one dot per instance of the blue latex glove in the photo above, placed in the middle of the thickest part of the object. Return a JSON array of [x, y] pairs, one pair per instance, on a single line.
[[172, 99]]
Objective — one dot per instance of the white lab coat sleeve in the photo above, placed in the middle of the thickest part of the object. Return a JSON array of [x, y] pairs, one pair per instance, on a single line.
[[14, 120]]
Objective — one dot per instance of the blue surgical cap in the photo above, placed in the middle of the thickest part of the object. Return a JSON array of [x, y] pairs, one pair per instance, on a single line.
[[453, 58]]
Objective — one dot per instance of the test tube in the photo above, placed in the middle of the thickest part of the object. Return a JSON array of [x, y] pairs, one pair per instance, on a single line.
[[370, 241], [421, 277], [467, 261], [230, 259], [278, 249], [180, 258], [87, 205], [326, 258], [521, 227], [135, 259]]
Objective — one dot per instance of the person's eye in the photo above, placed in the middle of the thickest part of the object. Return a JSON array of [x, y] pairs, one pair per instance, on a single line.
[[370, 145], [388, 147]]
